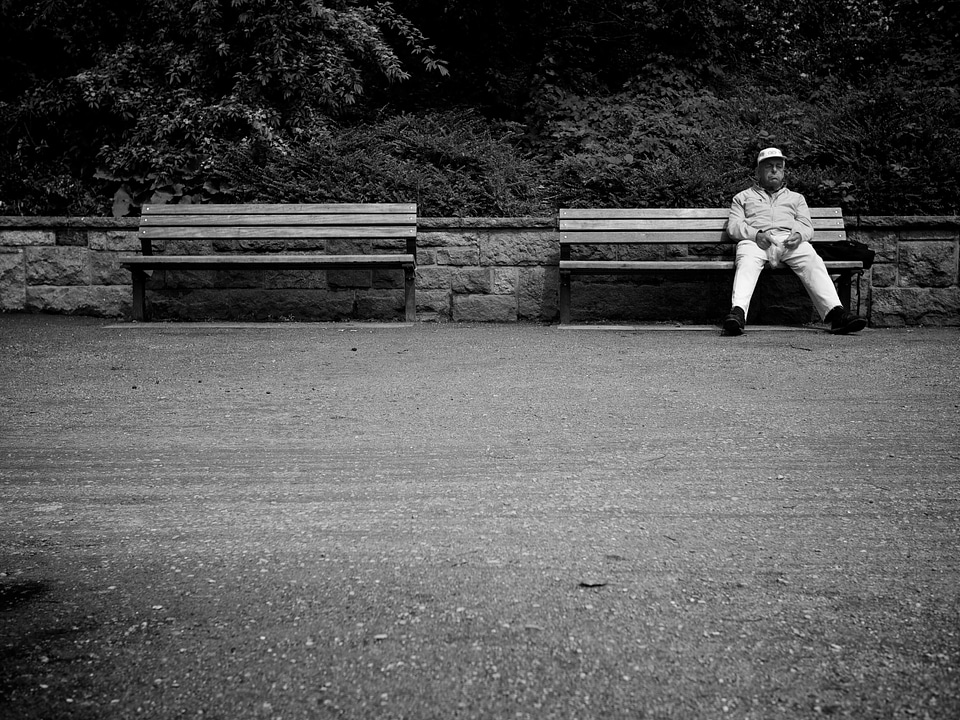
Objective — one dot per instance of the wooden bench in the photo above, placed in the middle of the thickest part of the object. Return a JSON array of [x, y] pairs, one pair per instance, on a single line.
[[276, 237], [690, 227]]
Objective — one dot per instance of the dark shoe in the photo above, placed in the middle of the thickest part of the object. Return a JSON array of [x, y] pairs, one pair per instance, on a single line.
[[844, 322], [733, 323]]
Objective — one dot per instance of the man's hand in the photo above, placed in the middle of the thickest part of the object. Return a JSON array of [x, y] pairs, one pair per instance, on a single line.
[[792, 242], [763, 240]]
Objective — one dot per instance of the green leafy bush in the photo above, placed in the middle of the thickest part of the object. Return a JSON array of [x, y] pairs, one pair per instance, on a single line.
[[451, 163]]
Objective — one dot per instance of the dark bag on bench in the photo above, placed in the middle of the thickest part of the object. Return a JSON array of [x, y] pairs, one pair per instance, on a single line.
[[845, 250]]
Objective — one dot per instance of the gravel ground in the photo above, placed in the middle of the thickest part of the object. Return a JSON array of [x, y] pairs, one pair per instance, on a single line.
[[484, 521]]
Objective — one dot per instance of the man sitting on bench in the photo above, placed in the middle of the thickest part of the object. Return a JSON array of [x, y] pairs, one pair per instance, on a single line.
[[772, 224]]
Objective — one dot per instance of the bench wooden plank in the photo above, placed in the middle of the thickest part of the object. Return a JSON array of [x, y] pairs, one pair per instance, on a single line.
[[244, 233], [671, 213], [283, 209], [278, 220], [300, 262], [670, 237], [620, 266]]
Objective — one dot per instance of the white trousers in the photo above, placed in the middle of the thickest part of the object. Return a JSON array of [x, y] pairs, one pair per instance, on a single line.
[[803, 260]]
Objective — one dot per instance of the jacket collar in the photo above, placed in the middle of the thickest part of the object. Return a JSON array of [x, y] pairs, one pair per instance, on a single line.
[[758, 188]]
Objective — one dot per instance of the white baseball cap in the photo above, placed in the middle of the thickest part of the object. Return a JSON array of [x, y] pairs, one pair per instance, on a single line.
[[768, 153]]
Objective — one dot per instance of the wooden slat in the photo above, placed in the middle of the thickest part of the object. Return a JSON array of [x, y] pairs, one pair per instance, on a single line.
[[278, 220], [267, 233], [567, 214], [701, 237], [627, 266], [669, 213], [267, 261], [671, 224], [284, 209], [599, 237]]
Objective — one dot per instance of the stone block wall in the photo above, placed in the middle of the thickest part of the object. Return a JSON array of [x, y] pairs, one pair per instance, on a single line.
[[469, 269], [914, 280]]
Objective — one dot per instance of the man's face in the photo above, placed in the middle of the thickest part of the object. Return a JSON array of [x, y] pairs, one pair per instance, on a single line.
[[770, 174]]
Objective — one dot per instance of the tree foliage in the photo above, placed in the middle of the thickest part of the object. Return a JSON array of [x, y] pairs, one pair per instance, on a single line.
[[145, 94], [612, 101]]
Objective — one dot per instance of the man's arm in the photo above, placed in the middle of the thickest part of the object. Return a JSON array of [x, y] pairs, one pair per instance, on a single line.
[[802, 228], [737, 226]]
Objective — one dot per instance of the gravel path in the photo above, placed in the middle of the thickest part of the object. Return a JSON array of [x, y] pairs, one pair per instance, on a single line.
[[484, 521]]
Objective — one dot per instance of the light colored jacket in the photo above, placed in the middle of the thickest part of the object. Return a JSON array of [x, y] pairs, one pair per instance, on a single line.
[[755, 210]]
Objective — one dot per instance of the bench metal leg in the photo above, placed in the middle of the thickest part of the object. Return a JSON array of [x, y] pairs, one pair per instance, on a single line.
[[564, 298], [410, 294], [846, 280], [138, 310]]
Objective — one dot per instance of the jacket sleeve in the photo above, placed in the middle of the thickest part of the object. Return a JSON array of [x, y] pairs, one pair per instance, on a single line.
[[737, 227], [802, 224]]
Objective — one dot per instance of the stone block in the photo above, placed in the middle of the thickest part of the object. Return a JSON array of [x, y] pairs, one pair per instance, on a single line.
[[436, 277], [388, 245], [231, 278], [348, 246], [185, 247], [447, 239], [380, 305], [433, 305], [252, 305], [105, 269], [71, 237], [318, 245], [13, 278], [295, 279], [504, 280], [506, 248], [902, 307], [458, 256], [342, 279], [884, 275], [95, 300], [57, 266], [538, 293], [27, 238], [605, 252], [182, 280], [122, 241], [471, 280], [883, 243], [254, 245], [426, 256], [387, 279], [484, 308], [928, 264], [632, 252]]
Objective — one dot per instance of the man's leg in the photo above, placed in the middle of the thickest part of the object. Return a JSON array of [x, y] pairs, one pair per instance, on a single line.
[[750, 262], [809, 267]]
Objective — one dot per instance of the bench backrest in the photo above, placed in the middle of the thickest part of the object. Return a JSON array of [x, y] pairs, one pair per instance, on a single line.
[[706, 226], [289, 226]]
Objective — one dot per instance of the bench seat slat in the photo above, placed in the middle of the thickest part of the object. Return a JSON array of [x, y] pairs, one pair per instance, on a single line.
[[283, 209], [252, 233], [698, 237], [673, 225], [278, 220], [300, 262], [627, 266], [670, 213]]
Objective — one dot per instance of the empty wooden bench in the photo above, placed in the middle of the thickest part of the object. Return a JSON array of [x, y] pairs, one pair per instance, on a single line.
[[701, 231], [276, 237]]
